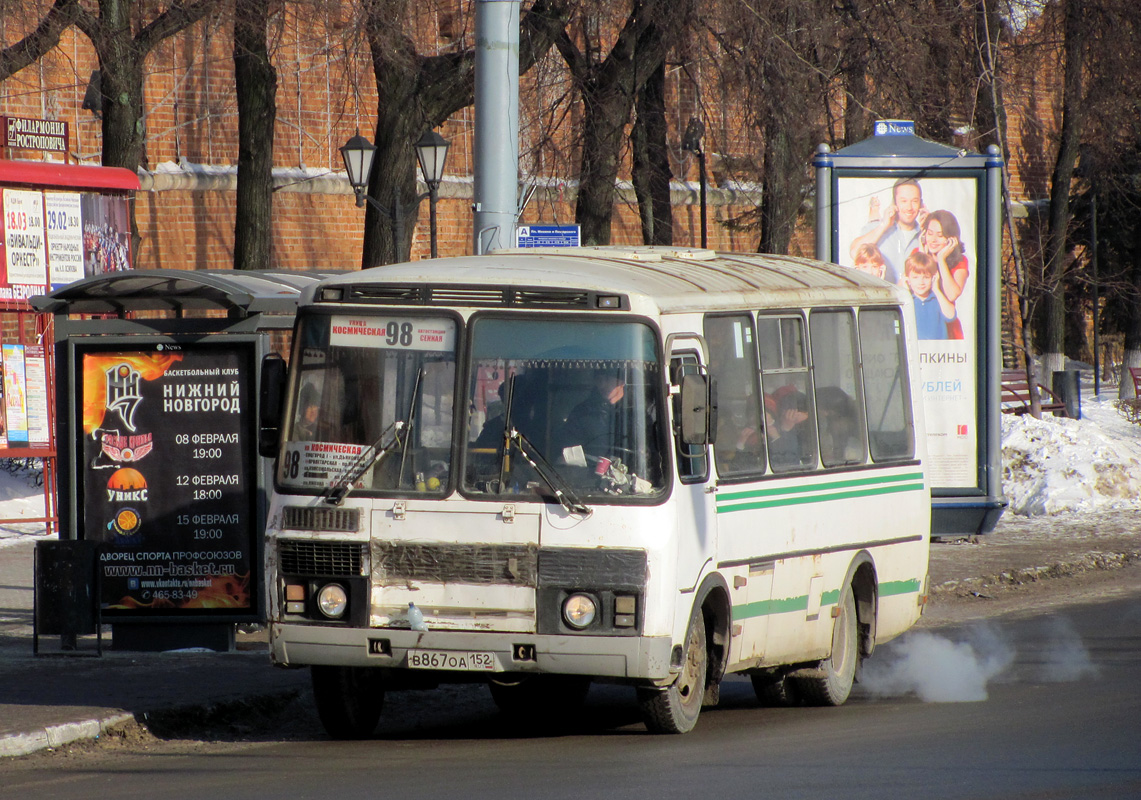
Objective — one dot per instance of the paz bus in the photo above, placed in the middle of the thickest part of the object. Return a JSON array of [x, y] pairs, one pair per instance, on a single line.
[[542, 468]]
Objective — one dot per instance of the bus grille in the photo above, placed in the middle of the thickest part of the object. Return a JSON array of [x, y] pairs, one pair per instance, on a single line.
[[341, 559], [513, 564], [298, 518]]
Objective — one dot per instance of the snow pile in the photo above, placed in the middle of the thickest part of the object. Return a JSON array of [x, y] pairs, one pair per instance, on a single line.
[[1055, 465]]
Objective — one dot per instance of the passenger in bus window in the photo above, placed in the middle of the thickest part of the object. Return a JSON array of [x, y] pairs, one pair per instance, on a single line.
[[790, 441], [308, 415], [836, 414]]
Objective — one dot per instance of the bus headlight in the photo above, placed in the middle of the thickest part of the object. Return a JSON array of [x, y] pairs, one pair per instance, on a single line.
[[579, 610], [332, 600]]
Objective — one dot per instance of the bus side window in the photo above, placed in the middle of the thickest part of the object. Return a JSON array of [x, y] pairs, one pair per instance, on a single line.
[[789, 409], [692, 459], [739, 448], [839, 414], [891, 435]]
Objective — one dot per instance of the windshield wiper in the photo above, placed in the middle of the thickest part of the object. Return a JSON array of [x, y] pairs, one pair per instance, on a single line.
[[365, 459], [412, 420], [548, 473]]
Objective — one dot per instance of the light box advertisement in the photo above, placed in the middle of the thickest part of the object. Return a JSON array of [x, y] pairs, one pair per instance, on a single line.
[[169, 481]]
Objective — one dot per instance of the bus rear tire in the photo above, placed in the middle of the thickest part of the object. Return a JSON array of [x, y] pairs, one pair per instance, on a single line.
[[675, 709], [838, 671], [349, 700]]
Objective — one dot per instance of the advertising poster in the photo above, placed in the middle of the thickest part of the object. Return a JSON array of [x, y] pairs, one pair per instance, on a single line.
[[36, 394], [922, 234], [15, 396], [64, 237], [169, 478], [25, 256], [106, 234]]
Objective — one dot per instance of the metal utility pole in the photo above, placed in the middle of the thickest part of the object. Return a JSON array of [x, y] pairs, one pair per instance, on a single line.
[[496, 123]]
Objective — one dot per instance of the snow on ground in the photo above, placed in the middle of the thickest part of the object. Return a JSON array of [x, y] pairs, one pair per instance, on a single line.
[[1050, 466], [1055, 465]]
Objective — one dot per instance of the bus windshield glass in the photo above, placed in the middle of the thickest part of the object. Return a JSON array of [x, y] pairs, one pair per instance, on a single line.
[[563, 404], [372, 405]]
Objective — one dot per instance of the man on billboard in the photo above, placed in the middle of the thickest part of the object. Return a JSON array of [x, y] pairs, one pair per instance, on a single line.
[[896, 233]]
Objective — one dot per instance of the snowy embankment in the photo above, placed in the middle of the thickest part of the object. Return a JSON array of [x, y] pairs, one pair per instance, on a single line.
[[1055, 465]]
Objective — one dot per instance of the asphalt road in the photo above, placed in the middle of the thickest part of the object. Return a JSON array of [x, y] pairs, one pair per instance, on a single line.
[[1061, 718]]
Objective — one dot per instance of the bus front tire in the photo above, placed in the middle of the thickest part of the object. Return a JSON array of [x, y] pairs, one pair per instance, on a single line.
[[838, 672], [675, 708], [349, 700]]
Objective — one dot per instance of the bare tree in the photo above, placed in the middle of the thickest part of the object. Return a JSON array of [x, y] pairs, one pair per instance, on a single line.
[[417, 92], [123, 39], [42, 39], [607, 86]]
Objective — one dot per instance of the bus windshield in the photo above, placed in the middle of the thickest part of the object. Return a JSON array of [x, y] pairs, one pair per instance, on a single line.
[[372, 404], [560, 404]]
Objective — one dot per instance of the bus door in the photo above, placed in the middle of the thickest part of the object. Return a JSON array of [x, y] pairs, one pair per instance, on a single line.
[[745, 536], [696, 512]]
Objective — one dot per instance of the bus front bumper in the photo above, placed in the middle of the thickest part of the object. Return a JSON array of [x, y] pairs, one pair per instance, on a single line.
[[641, 657]]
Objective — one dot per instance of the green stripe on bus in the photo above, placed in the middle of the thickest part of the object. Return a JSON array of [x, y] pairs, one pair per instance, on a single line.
[[816, 487], [899, 587], [820, 498], [765, 608]]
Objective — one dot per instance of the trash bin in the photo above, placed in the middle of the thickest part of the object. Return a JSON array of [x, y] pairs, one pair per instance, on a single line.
[[66, 599], [1067, 386]]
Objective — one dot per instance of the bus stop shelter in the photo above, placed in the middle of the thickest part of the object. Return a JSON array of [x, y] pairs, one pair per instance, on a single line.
[[159, 374]]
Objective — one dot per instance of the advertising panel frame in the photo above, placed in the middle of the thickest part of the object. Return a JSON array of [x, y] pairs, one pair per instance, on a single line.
[[972, 503]]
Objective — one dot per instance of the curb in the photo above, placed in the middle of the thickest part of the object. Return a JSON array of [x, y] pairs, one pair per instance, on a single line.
[[22, 744], [1090, 562]]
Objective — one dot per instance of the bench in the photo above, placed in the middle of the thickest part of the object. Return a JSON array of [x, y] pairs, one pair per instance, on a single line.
[[1016, 395], [1131, 406]]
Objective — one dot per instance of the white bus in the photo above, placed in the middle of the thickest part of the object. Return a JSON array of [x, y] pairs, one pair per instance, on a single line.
[[648, 466]]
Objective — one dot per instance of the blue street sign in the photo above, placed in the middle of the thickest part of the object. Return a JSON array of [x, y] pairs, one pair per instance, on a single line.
[[548, 236]]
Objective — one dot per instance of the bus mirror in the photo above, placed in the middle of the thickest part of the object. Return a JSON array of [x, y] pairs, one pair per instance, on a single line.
[[698, 409], [270, 404]]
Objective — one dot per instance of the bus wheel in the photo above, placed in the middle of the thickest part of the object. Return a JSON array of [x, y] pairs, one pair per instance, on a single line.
[[349, 700], [675, 708], [838, 672], [537, 696]]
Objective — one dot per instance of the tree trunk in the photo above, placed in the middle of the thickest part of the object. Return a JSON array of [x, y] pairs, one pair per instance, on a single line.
[[1056, 251], [651, 162], [256, 87]]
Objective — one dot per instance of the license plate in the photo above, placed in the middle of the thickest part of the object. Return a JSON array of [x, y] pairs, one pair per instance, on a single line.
[[453, 659]]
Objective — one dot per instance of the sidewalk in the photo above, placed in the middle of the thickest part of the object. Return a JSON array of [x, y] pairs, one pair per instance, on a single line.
[[48, 701]]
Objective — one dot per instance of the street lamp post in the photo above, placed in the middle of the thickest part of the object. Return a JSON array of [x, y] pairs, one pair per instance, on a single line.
[[431, 152], [691, 143]]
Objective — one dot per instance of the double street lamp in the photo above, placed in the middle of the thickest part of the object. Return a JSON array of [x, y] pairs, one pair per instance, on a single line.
[[431, 153]]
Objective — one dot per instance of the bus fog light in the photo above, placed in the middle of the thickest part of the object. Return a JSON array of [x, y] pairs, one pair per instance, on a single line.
[[332, 600], [579, 610]]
